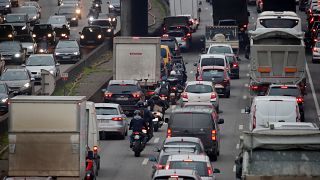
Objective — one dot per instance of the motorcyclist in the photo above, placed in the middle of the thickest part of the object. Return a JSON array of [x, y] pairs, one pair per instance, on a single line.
[[163, 89], [155, 99], [65, 30], [136, 125], [90, 163], [43, 45]]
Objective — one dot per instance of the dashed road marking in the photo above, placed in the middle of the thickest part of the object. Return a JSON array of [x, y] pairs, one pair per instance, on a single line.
[[145, 161], [316, 103], [246, 85], [241, 127], [234, 168], [238, 146], [206, 8], [243, 111], [248, 65], [156, 140], [245, 97]]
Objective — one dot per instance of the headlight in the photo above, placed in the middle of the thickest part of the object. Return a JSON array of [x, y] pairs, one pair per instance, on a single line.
[[26, 85], [4, 100], [110, 6], [76, 53], [7, 5], [34, 17], [9, 35], [97, 5], [30, 47], [33, 35], [41, 50], [91, 18], [82, 36], [114, 19], [52, 72], [78, 11], [73, 19], [109, 30], [57, 53], [99, 36], [17, 55], [109, 19], [63, 34], [49, 35]]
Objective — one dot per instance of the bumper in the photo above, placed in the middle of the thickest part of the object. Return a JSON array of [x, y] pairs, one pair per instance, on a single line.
[[111, 129], [91, 42], [316, 56], [68, 58]]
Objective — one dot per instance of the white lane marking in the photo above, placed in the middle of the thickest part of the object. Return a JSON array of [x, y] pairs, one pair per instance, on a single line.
[[145, 161], [248, 74], [156, 140], [246, 85], [248, 65], [238, 146], [191, 72], [234, 168], [241, 127], [245, 97], [313, 92], [243, 111]]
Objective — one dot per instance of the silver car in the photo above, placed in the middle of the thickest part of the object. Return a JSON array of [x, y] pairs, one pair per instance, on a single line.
[[316, 53], [201, 91], [111, 119]]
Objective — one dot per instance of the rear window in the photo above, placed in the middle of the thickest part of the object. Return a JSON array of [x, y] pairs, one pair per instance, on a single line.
[[122, 88], [220, 50], [279, 23], [106, 111], [212, 73], [202, 120], [199, 88], [281, 91], [176, 34], [200, 167], [198, 147], [173, 177], [212, 62], [181, 120]]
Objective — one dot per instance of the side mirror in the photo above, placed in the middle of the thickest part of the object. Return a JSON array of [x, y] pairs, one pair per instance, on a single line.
[[215, 170], [32, 79], [153, 159], [166, 120], [220, 121], [195, 64], [23, 65], [247, 110]]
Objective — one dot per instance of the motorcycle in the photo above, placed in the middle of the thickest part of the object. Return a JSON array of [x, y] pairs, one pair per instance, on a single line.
[[90, 175], [158, 120], [43, 47], [96, 6], [138, 143]]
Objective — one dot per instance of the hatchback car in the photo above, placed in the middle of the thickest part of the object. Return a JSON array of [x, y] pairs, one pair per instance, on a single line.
[[105, 25], [234, 66], [111, 119], [127, 93], [91, 35], [44, 30], [196, 122], [7, 32], [5, 94], [176, 174], [316, 53], [67, 51], [13, 52], [70, 13], [19, 81], [32, 12], [200, 163], [219, 76], [200, 91], [211, 60]]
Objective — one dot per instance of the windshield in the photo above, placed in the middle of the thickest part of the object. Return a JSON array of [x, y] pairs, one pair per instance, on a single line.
[[176, 34], [220, 50], [106, 111], [3, 89], [200, 167], [67, 44], [284, 91], [208, 74], [101, 23], [279, 23], [14, 76], [57, 20], [40, 61], [122, 88], [8, 46], [27, 10], [15, 18], [199, 88], [212, 62], [26, 38], [230, 33]]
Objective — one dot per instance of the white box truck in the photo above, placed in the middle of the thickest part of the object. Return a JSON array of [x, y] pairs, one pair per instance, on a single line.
[[49, 137], [137, 58]]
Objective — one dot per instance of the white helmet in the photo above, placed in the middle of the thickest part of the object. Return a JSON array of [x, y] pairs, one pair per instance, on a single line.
[[173, 73]]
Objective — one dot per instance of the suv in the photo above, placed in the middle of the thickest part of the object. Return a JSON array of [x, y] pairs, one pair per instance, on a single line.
[[19, 81], [44, 30], [91, 35], [7, 32], [211, 60], [196, 122], [127, 93], [288, 90], [13, 52]]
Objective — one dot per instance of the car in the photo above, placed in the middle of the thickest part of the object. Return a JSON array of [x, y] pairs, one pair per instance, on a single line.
[[5, 94], [172, 43], [32, 12], [111, 119], [234, 66], [185, 141], [165, 54], [105, 25], [176, 174], [196, 122], [20, 23], [200, 163], [27, 43], [70, 13], [111, 17], [33, 3], [13, 52], [266, 109], [114, 7], [211, 60], [5, 6], [220, 49], [44, 30], [288, 90], [91, 35], [194, 23], [58, 21], [36, 62], [74, 2], [316, 52], [185, 29], [67, 51], [19, 81], [7, 32], [200, 91], [183, 41], [127, 93], [219, 76], [21, 29]]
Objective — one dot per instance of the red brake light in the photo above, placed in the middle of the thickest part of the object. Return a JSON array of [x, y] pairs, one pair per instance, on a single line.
[[188, 35], [235, 65], [174, 176], [210, 172], [300, 100], [108, 94], [159, 166], [117, 119], [254, 88], [213, 135], [284, 87], [136, 95], [169, 133], [185, 95], [184, 38], [199, 78], [213, 96], [88, 177], [314, 49]]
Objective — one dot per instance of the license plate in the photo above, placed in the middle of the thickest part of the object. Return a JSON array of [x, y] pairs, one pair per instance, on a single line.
[[103, 125], [90, 41], [123, 99], [66, 57], [155, 119], [136, 137]]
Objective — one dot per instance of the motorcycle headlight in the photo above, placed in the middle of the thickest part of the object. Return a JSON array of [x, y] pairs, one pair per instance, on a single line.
[[99, 36], [17, 55], [26, 85], [73, 19], [91, 18], [114, 19], [30, 47], [63, 34], [78, 11], [4, 100], [7, 5], [110, 6], [57, 53], [82, 36], [97, 5], [49, 35], [76, 53], [109, 30], [109, 19], [9, 35], [33, 35], [34, 17], [41, 50]]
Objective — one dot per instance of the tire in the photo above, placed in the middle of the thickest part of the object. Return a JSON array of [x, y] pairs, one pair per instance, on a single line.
[[136, 148], [155, 127], [126, 133]]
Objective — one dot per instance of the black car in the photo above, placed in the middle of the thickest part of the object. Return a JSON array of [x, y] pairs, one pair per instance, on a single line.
[[70, 13], [5, 94], [127, 93], [67, 51], [172, 43], [5, 6], [91, 35], [19, 81], [114, 7], [13, 52], [111, 17], [105, 25], [234, 66], [7, 32], [196, 122], [41, 31]]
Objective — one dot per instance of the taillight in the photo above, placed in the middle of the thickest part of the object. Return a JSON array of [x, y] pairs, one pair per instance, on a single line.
[[169, 133], [88, 177], [254, 87], [189, 35], [108, 94], [210, 172], [168, 167], [174, 88], [184, 38], [300, 100], [185, 95], [159, 166], [235, 65], [117, 119], [213, 96], [213, 135], [315, 49], [136, 95]]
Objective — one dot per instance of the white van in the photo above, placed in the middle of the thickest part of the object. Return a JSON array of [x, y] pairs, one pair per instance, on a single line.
[[266, 109]]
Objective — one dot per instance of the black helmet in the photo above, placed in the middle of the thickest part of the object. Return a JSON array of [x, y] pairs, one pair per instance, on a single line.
[[137, 113], [140, 104]]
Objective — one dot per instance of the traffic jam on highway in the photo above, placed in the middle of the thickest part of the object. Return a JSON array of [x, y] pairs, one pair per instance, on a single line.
[[224, 92]]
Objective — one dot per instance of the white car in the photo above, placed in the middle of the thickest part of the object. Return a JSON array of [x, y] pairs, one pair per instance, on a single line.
[[201, 91], [212, 60], [36, 62], [220, 49], [58, 21], [316, 53]]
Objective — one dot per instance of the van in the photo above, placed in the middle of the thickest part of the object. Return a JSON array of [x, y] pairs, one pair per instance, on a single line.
[[266, 109], [196, 122]]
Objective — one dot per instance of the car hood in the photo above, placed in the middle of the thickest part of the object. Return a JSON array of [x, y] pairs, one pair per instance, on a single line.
[[38, 68], [106, 116], [3, 96], [67, 50], [19, 83], [4, 4], [26, 44]]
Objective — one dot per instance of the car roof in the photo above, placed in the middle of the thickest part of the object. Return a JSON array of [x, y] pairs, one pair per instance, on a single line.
[[178, 172], [270, 98], [182, 139], [278, 13], [212, 56], [114, 105], [199, 82], [193, 157], [123, 82], [292, 125], [192, 110], [213, 67]]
